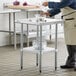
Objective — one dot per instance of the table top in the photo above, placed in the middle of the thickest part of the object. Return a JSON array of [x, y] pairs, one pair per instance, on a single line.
[[39, 21], [3, 11]]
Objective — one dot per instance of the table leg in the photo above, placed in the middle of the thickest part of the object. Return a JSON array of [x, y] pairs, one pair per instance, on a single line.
[[27, 31], [14, 30], [9, 28], [50, 35], [21, 52], [56, 47], [37, 59], [37, 44], [40, 63], [27, 35]]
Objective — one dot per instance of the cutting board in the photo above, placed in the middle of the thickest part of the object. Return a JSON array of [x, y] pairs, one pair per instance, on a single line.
[[22, 7]]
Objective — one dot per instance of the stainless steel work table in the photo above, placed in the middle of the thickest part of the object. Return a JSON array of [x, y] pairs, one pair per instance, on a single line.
[[9, 11], [26, 9], [40, 51]]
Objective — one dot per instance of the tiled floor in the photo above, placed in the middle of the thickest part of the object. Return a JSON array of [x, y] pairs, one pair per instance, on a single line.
[[10, 62]]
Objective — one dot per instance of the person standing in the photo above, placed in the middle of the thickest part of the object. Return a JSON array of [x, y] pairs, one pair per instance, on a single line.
[[67, 7]]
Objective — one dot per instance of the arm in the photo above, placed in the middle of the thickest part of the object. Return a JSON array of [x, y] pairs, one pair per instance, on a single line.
[[54, 12], [59, 5], [56, 6], [51, 12]]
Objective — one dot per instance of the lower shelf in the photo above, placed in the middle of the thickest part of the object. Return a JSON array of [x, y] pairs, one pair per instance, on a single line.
[[34, 50]]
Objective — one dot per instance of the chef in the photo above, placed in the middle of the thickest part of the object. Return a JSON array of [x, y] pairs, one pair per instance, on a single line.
[[68, 8]]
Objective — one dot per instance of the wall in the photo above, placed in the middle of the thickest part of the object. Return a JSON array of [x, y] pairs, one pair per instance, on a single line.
[[4, 37]]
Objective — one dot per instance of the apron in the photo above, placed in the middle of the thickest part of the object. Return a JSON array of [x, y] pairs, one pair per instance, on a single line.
[[69, 26]]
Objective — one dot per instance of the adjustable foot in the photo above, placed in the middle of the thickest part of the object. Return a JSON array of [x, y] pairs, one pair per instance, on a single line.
[[40, 71], [36, 64], [74, 69], [21, 67], [55, 68]]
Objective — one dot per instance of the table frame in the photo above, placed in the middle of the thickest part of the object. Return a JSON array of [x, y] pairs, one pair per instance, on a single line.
[[9, 12], [40, 53]]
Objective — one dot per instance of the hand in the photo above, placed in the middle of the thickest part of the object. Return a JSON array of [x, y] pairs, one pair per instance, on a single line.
[[45, 3], [45, 13]]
